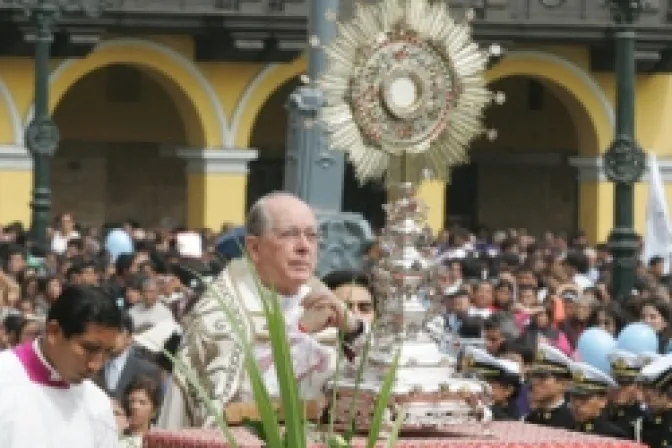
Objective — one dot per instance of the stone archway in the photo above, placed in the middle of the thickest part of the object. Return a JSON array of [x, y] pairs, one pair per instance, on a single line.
[[119, 126], [269, 136], [524, 178]]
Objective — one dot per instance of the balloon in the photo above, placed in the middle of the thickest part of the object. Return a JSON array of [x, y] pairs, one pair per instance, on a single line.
[[594, 347], [118, 242], [638, 338]]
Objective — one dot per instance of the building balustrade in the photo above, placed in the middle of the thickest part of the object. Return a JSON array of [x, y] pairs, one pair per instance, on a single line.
[[275, 30]]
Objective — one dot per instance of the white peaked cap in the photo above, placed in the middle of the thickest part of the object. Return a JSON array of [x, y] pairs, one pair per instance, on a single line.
[[480, 360], [584, 374], [658, 372]]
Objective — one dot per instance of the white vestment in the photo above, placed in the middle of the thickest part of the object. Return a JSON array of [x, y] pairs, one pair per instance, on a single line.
[[38, 410], [211, 352]]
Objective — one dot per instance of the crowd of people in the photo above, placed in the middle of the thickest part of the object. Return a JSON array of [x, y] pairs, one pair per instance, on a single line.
[[526, 299]]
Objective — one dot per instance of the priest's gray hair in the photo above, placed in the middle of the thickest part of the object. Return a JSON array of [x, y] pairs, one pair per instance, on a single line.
[[258, 220]]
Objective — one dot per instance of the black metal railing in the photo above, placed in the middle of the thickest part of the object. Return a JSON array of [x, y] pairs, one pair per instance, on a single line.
[[523, 12]]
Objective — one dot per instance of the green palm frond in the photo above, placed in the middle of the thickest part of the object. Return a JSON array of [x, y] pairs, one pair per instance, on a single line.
[[295, 431], [381, 404], [204, 397], [262, 398], [351, 428]]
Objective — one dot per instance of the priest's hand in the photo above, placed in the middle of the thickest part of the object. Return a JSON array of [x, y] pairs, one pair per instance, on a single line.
[[322, 310]]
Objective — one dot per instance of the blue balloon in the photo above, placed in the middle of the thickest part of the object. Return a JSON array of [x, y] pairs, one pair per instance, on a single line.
[[118, 242], [594, 347], [638, 338]]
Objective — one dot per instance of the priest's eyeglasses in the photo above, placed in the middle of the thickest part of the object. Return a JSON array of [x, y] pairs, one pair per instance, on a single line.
[[294, 233]]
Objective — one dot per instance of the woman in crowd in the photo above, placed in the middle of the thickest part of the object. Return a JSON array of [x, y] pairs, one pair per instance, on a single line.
[[657, 314], [541, 329], [142, 404], [608, 317]]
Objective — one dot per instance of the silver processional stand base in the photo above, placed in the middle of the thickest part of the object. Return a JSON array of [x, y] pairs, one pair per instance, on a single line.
[[427, 393]]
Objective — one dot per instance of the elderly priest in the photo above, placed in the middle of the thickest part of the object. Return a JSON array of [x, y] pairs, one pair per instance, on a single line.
[[281, 242]]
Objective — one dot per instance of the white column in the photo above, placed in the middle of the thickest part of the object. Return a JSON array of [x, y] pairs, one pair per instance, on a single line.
[[218, 161]]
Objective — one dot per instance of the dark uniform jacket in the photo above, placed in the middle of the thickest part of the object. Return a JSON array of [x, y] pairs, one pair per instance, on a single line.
[[601, 426], [558, 417], [627, 417], [505, 412], [657, 429]]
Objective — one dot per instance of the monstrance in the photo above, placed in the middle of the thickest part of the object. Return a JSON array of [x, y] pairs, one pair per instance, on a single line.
[[405, 94]]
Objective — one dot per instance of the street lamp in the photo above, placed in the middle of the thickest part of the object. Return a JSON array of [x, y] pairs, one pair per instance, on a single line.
[[42, 134], [624, 161]]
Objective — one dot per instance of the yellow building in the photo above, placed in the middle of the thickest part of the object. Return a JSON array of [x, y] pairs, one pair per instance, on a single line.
[[148, 131]]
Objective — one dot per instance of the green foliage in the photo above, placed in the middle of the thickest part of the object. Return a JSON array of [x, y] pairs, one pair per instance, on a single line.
[[268, 429], [381, 406], [204, 397]]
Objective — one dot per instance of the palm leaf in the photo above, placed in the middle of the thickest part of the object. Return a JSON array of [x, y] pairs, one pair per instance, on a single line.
[[261, 396], [334, 392], [295, 433], [350, 431], [205, 398], [396, 428], [381, 404]]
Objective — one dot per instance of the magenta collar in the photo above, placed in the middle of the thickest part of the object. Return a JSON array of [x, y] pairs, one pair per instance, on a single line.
[[37, 371]]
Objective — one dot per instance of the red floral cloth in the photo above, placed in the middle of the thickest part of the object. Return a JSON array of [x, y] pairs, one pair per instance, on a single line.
[[504, 434]]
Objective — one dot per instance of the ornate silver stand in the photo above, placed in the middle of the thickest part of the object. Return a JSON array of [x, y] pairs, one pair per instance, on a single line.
[[427, 389], [404, 96]]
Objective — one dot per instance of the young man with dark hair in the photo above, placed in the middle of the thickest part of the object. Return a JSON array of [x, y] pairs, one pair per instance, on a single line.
[[656, 378], [125, 363], [550, 376], [626, 409], [502, 375], [498, 329], [46, 397]]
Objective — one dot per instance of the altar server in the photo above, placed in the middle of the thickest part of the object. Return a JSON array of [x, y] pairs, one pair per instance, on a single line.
[[550, 376], [46, 397], [590, 387], [656, 379], [503, 376], [626, 409]]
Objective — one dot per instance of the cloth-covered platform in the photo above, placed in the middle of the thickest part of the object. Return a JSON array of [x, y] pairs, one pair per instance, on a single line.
[[503, 435]]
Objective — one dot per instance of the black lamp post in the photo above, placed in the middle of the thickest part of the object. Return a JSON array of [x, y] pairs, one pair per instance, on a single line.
[[42, 134], [624, 162]]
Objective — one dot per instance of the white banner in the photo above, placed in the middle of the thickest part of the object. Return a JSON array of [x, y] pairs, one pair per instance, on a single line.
[[658, 233]]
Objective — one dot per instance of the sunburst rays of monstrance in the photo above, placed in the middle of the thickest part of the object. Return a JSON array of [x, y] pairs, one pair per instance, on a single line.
[[404, 85], [405, 94]]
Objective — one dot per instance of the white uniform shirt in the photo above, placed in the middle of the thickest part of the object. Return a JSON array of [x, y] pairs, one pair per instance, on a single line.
[[38, 410]]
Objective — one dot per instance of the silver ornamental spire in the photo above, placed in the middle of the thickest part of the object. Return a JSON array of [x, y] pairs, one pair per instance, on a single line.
[[405, 93], [427, 388]]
